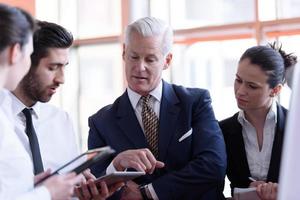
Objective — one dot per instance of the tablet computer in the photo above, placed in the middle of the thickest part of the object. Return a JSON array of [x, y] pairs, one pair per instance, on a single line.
[[118, 176], [83, 161]]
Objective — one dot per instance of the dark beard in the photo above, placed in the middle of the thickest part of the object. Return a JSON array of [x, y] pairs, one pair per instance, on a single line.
[[30, 87]]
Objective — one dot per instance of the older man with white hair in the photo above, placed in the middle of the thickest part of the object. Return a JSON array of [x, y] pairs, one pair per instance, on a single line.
[[166, 130]]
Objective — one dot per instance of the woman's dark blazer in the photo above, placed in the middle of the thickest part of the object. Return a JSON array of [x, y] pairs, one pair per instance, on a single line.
[[237, 164]]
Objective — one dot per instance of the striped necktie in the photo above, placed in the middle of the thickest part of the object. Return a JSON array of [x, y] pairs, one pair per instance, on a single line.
[[150, 122]]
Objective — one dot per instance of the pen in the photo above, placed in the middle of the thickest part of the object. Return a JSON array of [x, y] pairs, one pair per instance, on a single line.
[[251, 179]]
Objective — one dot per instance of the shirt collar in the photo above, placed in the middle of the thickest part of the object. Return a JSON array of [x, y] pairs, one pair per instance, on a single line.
[[272, 114], [3, 96], [135, 97], [18, 106]]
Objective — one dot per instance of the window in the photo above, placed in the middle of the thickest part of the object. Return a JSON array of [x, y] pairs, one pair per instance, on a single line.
[[101, 75], [99, 18], [278, 9], [211, 65], [210, 36], [93, 19], [197, 13]]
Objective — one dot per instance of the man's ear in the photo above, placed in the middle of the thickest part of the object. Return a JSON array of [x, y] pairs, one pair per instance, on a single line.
[[168, 60], [14, 53], [276, 90]]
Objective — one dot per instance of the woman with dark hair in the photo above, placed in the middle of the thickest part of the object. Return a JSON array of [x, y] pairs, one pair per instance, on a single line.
[[16, 170], [254, 135], [15, 45]]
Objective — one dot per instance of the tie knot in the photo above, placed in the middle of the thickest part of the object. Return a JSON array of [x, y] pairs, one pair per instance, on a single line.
[[145, 99], [27, 112]]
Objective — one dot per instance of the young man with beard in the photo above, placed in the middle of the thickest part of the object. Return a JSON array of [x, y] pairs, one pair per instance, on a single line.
[[53, 127]]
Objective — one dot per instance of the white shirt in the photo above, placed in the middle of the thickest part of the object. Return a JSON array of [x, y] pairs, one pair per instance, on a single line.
[[154, 102], [16, 170], [259, 161], [54, 129]]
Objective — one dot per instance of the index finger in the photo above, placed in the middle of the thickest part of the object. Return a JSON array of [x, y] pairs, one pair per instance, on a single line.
[[152, 160], [78, 192]]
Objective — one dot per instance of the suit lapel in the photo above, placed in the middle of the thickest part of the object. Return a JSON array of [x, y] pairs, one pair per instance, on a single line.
[[274, 166], [129, 124], [169, 113]]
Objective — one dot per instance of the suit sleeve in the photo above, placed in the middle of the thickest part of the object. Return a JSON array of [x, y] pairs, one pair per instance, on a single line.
[[206, 170], [95, 141]]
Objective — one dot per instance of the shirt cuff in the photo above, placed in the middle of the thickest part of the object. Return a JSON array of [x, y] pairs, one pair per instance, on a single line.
[[110, 169], [152, 192]]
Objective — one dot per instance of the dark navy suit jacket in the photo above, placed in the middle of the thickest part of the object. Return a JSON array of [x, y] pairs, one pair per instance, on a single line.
[[238, 169], [194, 167]]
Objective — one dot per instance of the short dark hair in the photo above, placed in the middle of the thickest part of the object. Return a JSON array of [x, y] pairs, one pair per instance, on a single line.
[[48, 35], [16, 26], [272, 60]]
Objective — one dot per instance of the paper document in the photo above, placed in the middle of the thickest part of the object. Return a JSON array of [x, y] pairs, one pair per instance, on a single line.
[[245, 194]]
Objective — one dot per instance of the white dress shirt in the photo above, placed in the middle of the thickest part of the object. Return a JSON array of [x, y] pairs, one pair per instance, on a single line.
[[259, 161], [53, 126], [154, 102], [16, 169]]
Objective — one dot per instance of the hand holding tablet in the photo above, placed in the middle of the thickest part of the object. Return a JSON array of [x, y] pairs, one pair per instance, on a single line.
[[110, 182], [116, 177], [83, 161]]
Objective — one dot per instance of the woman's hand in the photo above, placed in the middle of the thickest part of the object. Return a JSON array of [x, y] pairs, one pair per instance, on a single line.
[[267, 191]]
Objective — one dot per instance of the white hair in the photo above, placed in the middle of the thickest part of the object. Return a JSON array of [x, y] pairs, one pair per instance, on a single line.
[[150, 26]]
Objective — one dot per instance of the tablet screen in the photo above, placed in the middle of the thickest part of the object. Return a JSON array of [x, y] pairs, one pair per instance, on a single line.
[[118, 176], [83, 161]]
